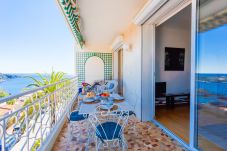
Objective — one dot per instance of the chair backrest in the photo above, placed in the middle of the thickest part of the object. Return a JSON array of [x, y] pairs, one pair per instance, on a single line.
[[119, 118], [160, 89], [112, 86]]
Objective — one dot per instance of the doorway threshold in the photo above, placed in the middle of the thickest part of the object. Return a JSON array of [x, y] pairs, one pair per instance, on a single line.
[[171, 134]]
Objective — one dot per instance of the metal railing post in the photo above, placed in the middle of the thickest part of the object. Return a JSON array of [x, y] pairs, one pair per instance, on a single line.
[[50, 110], [41, 123], [55, 108], [3, 141], [27, 127]]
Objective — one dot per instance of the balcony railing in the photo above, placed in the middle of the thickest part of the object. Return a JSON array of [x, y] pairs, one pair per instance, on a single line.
[[35, 124]]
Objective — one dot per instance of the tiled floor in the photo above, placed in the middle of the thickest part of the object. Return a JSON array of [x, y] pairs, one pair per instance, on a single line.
[[147, 137]]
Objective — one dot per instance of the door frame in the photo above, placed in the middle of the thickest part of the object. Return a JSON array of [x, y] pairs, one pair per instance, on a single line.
[[153, 22], [122, 67], [116, 65]]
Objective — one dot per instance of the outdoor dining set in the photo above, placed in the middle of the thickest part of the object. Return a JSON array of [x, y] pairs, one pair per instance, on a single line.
[[105, 114]]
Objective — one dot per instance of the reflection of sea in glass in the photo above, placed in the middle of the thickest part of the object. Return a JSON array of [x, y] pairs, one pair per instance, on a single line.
[[211, 81]]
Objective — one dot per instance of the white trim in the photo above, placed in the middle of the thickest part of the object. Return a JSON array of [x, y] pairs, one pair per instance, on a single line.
[[173, 11], [153, 69], [147, 106], [117, 43], [148, 10], [193, 69], [172, 7]]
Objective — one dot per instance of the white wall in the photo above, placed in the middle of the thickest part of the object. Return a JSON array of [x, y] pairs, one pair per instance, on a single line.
[[174, 33], [94, 69], [132, 68]]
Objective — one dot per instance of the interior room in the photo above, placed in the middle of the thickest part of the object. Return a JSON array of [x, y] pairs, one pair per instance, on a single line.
[[172, 73]]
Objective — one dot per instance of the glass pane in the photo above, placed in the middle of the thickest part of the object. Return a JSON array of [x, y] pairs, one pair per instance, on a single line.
[[211, 76]]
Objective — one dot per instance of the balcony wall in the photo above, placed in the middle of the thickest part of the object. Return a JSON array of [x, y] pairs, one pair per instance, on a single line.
[[132, 67]]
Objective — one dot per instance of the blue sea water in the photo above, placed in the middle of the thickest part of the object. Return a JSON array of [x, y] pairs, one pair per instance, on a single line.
[[17, 85], [209, 82], [214, 87]]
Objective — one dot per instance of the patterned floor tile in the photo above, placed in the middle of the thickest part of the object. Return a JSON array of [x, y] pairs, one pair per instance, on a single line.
[[146, 137]]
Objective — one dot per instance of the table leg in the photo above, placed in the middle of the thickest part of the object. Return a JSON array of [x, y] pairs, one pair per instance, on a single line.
[[172, 101], [168, 100]]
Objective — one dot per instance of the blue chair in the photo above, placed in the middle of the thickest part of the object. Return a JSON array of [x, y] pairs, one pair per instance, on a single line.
[[111, 86], [109, 128], [75, 117], [79, 90]]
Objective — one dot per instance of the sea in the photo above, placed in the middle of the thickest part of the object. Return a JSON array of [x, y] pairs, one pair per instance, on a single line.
[[20, 83], [210, 87]]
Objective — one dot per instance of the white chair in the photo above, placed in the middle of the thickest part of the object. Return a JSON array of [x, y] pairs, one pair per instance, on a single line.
[[109, 128], [132, 113], [111, 86], [73, 118]]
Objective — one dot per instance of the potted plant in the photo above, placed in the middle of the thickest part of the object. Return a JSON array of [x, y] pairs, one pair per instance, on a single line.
[[84, 87]]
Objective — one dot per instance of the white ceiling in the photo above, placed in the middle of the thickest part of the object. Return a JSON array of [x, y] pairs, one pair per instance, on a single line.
[[103, 20]]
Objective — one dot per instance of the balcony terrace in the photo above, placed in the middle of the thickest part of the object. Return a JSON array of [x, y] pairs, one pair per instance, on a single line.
[[147, 137], [36, 126], [149, 49]]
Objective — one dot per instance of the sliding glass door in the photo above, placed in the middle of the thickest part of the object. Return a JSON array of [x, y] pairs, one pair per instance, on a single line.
[[211, 76]]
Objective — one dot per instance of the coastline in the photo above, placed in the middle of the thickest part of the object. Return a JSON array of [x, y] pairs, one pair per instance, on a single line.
[[15, 83]]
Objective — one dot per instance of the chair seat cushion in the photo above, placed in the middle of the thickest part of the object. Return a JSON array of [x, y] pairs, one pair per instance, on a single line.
[[108, 131], [75, 116], [111, 86]]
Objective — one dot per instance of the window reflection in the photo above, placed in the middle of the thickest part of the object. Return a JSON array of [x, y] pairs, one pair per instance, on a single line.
[[212, 76]]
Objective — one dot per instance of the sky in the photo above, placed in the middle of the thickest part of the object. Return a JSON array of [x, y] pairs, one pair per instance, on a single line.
[[34, 38], [212, 52]]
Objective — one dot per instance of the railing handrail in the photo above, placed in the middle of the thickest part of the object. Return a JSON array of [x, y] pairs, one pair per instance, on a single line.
[[11, 97], [32, 103], [30, 126]]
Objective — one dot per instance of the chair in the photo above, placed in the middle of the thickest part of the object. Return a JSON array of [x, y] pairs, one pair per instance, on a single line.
[[75, 117], [132, 112], [109, 128], [111, 86]]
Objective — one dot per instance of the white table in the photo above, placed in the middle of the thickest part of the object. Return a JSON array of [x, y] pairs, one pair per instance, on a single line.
[[91, 108], [81, 97]]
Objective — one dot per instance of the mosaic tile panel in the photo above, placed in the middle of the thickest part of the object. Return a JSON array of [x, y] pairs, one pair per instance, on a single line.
[[81, 58]]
